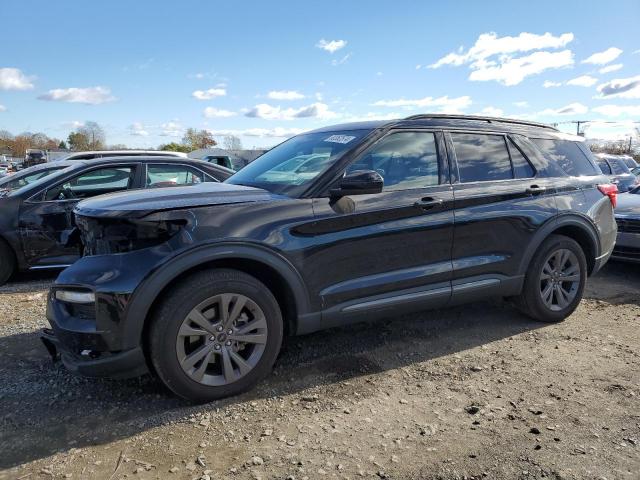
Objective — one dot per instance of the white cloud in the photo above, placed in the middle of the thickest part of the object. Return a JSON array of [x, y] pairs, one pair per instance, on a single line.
[[269, 112], [73, 124], [138, 129], [512, 71], [492, 112], [550, 84], [331, 46], [285, 95], [583, 81], [374, 116], [521, 104], [212, 112], [620, 88], [611, 68], [341, 61], [89, 96], [171, 129], [571, 109], [618, 110], [278, 132], [14, 79], [601, 58], [209, 94], [445, 104], [3, 108], [491, 57]]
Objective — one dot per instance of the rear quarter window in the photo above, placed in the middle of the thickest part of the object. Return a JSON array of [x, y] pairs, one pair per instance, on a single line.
[[568, 155]]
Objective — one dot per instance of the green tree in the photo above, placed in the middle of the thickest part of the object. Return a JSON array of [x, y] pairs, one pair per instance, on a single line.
[[78, 141], [62, 145], [175, 147]]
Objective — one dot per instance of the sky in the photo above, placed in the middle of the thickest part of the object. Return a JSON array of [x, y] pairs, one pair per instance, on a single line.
[[146, 70]]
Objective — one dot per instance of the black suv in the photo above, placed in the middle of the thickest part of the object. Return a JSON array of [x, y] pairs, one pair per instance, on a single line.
[[345, 223]]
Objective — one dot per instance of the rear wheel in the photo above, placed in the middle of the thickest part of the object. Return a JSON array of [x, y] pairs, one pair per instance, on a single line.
[[217, 335], [7, 262], [555, 280]]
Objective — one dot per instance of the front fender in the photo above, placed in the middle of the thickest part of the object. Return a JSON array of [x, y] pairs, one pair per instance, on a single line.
[[147, 292]]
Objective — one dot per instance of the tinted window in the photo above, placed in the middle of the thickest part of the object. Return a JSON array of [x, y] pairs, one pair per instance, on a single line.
[[405, 160], [521, 166], [172, 175], [95, 182], [618, 166], [604, 166], [481, 157], [567, 154]]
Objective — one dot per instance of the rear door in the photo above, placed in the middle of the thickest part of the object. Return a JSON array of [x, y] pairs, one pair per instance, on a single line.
[[46, 222], [500, 201], [390, 250]]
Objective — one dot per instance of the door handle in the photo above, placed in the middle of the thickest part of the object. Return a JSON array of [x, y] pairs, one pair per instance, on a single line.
[[427, 203], [536, 190]]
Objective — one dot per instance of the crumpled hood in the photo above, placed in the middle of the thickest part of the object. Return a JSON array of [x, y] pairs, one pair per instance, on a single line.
[[628, 204], [140, 203]]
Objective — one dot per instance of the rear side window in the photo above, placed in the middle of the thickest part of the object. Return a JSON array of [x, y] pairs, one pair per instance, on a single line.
[[521, 166], [619, 167], [567, 154], [481, 157], [604, 166]]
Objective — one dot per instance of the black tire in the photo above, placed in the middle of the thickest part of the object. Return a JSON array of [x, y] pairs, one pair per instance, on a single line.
[[531, 302], [7, 262], [164, 333]]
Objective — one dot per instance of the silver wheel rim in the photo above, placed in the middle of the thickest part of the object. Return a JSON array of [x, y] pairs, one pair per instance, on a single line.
[[560, 279], [222, 339]]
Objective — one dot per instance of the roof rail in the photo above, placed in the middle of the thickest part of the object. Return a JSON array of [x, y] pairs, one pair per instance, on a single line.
[[480, 118]]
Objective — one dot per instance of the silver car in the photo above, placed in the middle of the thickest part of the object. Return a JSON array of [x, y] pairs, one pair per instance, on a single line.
[[627, 213]]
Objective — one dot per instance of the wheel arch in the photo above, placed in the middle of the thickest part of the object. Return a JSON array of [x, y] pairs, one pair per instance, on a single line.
[[269, 267], [577, 227]]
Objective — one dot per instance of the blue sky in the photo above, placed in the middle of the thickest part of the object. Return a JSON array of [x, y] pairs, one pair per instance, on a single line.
[[146, 70]]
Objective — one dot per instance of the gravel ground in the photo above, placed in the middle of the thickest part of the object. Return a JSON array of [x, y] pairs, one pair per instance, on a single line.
[[469, 392]]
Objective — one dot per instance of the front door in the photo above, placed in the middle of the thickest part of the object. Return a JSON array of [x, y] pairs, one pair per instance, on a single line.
[[47, 228], [379, 253]]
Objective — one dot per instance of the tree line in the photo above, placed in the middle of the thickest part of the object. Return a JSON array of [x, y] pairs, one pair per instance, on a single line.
[[92, 136]]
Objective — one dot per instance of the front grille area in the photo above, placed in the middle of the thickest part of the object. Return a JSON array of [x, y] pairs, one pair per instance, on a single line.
[[628, 225]]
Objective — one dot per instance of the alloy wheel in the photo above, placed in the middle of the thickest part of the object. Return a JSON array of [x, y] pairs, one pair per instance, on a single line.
[[221, 339], [560, 279]]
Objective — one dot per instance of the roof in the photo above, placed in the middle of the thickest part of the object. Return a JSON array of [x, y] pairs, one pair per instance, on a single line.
[[447, 121]]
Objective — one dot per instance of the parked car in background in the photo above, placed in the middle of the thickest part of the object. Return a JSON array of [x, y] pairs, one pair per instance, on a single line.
[[34, 157], [615, 167], [636, 171], [89, 155], [629, 161], [222, 160], [29, 175], [37, 228], [342, 224], [4, 169], [627, 214]]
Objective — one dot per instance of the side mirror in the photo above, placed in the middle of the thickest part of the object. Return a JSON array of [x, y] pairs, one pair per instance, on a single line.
[[359, 182]]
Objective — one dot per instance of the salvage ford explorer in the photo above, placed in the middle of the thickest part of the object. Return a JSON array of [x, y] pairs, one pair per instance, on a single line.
[[199, 285]]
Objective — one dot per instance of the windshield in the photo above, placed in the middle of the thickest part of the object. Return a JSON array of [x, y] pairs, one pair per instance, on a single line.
[[26, 178], [290, 167]]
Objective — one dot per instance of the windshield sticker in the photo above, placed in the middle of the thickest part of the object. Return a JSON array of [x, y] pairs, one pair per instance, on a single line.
[[339, 139]]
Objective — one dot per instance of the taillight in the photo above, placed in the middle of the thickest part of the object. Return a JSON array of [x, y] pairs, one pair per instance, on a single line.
[[610, 191]]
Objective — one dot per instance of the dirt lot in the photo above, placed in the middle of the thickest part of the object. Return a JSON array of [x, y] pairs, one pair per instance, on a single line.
[[469, 392]]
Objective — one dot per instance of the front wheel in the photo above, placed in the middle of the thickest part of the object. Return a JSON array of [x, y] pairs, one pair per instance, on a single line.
[[216, 335], [555, 280]]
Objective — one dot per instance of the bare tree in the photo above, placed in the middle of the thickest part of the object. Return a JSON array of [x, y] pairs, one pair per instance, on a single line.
[[94, 134], [231, 142]]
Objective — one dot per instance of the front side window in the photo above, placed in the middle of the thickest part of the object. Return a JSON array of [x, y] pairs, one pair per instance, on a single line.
[[172, 175], [567, 154], [481, 157], [92, 183], [405, 160], [290, 167]]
